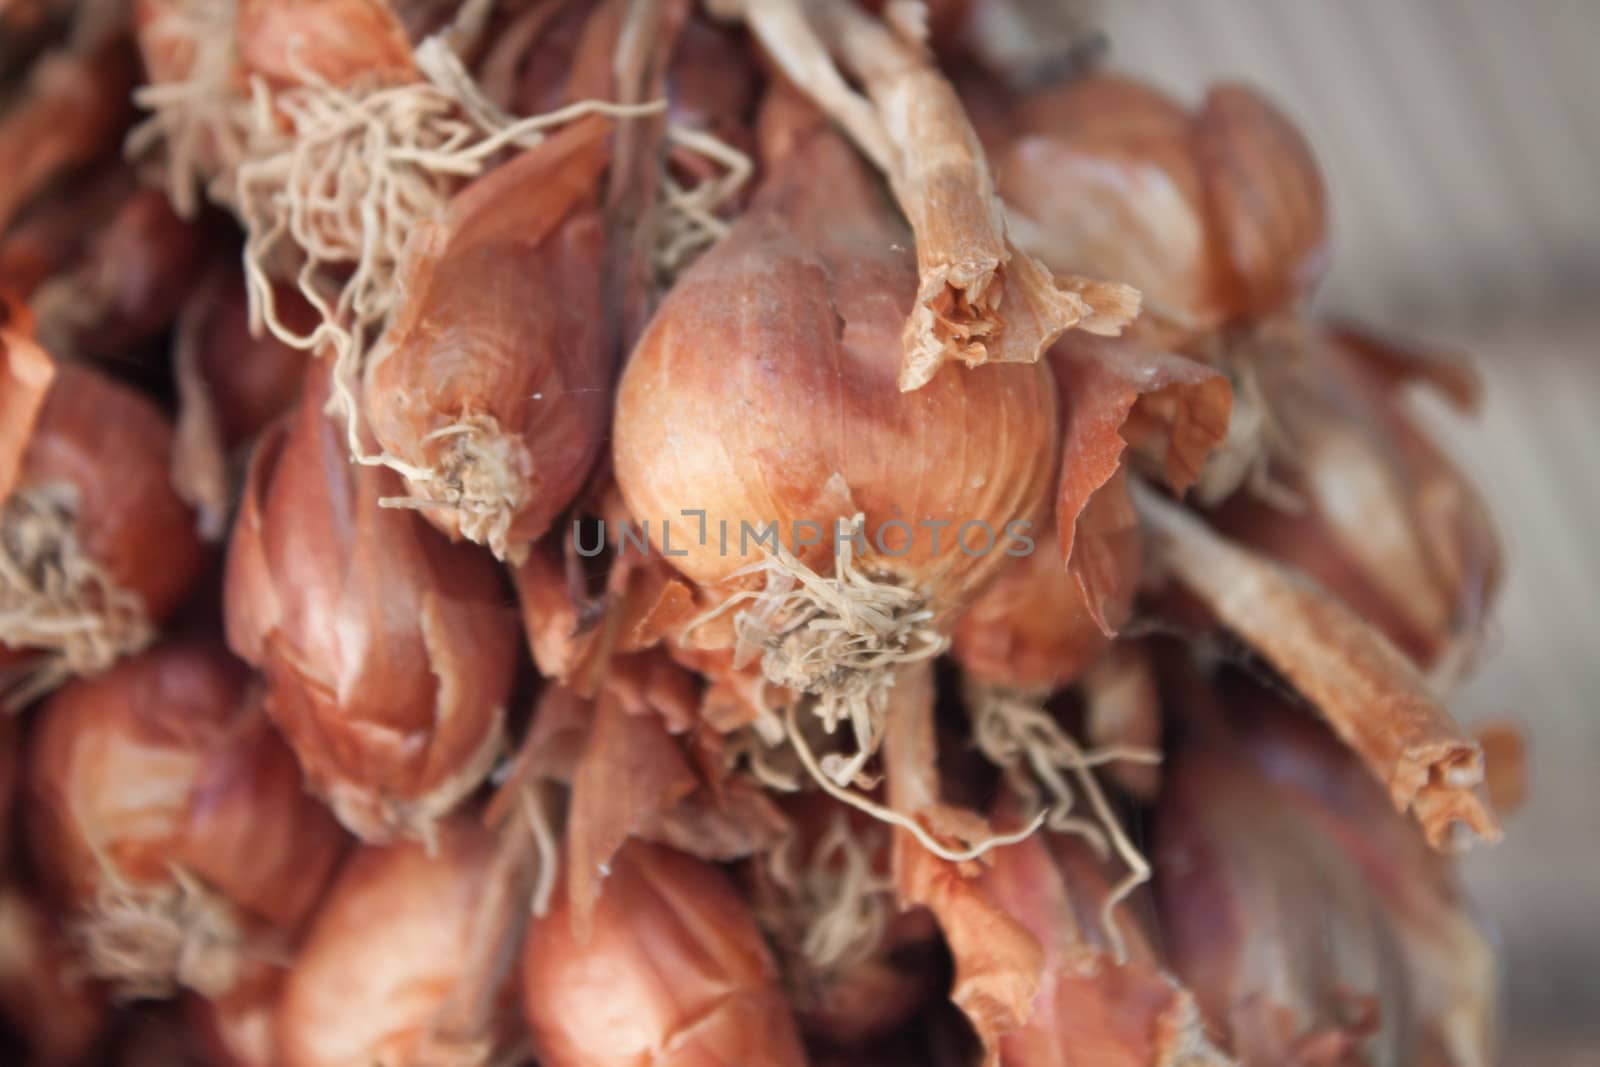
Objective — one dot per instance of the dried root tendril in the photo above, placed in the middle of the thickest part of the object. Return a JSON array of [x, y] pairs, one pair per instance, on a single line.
[[837, 639], [547, 852], [150, 940], [55, 599], [198, 127], [884, 814], [1015, 732], [690, 220], [836, 904], [482, 477]]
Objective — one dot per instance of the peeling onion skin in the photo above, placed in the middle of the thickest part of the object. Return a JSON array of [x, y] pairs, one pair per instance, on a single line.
[[160, 769], [388, 651], [675, 974], [782, 335], [384, 953]]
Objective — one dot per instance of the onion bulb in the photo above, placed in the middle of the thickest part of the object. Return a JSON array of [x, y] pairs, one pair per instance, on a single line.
[[488, 390], [171, 821], [95, 547], [674, 974], [388, 651], [383, 956], [764, 395], [1215, 215], [44, 995], [1312, 921]]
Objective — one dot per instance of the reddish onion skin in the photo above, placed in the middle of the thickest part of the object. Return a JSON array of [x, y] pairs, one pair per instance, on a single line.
[[1265, 197], [494, 372], [44, 995], [388, 651], [1031, 627], [675, 974], [1214, 216], [772, 366], [1091, 1010], [250, 380], [113, 446], [384, 953], [340, 41], [160, 772], [240, 1028], [1313, 922], [101, 452]]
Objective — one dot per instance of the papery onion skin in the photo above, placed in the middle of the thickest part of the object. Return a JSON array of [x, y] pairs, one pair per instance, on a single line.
[[384, 953], [494, 372], [1031, 628], [43, 994], [1309, 917], [675, 974], [113, 446], [339, 41], [1103, 168], [387, 650], [161, 774], [771, 367], [1265, 196], [99, 455], [1091, 1009], [251, 380], [240, 1028], [1215, 215]]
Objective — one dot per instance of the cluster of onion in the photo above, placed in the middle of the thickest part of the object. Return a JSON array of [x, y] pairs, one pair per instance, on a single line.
[[477, 279]]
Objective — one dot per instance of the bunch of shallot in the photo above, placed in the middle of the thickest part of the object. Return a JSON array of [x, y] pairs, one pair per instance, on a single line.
[[645, 532]]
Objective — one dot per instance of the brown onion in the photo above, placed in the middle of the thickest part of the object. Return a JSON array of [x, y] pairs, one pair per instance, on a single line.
[[674, 974], [488, 390], [1102, 174], [1265, 196], [764, 392], [97, 547], [1313, 922], [384, 954], [128, 284], [171, 821], [388, 651], [1214, 216], [70, 110], [57, 1011]]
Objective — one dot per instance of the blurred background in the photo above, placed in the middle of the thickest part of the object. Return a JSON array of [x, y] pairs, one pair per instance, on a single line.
[[1461, 144]]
